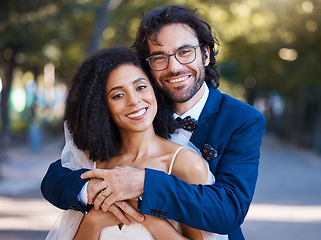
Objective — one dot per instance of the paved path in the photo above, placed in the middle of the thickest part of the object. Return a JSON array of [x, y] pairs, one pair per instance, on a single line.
[[286, 206], [24, 214], [287, 202]]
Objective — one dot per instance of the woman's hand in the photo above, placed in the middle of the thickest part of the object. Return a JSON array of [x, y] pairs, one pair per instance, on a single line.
[[101, 218], [93, 222]]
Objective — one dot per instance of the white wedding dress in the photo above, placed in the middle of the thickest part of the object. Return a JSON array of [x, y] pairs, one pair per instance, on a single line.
[[67, 224]]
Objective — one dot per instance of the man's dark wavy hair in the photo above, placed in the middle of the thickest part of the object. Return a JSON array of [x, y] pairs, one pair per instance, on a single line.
[[87, 115], [153, 21]]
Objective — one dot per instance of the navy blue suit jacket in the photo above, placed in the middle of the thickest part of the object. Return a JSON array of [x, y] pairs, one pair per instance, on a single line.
[[231, 127]]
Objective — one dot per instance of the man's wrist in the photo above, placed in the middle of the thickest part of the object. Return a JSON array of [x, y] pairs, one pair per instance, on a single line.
[[83, 195], [142, 186], [140, 198]]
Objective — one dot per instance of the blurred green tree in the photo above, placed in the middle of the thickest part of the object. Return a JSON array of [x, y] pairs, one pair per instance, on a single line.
[[24, 31], [266, 46], [274, 46], [38, 32]]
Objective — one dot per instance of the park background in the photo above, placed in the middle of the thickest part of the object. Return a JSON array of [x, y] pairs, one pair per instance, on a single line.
[[269, 56]]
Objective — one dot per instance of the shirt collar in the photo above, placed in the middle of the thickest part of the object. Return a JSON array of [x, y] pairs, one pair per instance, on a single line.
[[196, 110]]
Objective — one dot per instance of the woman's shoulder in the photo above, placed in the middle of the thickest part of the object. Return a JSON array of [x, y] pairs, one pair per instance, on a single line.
[[189, 166]]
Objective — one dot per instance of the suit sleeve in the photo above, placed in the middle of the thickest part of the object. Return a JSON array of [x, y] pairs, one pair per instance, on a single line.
[[61, 186], [220, 207]]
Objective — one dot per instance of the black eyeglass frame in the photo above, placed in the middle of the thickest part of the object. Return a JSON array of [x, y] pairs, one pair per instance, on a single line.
[[174, 54]]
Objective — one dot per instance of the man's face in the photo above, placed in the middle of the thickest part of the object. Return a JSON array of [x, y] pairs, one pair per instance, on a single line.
[[181, 82]]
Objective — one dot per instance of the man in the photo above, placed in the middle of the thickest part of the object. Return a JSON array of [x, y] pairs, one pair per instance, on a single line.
[[179, 48]]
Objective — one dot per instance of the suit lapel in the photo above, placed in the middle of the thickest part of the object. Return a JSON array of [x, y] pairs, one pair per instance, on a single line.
[[207, 117]]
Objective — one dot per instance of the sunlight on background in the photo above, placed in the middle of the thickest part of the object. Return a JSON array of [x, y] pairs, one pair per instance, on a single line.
[[49, 81], [18, 99], [0, 85], [288, 54], [43, 95], [28, 215], [40, 215], [282, 213], [235, 90], [307, 7], [311, 26]]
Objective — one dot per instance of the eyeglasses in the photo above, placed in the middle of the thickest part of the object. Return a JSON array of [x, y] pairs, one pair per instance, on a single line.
[[184, 55]]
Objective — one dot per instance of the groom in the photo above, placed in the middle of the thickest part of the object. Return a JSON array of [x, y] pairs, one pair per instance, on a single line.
[[179, 48]]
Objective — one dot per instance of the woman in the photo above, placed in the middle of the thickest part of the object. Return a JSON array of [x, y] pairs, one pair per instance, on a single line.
[[114, 118]]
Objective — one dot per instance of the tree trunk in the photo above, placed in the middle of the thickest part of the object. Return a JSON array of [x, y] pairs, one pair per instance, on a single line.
[[250, 95], [301, 131], [288, 120], [317, 131], [7, 81], [99, 26], [101, 22]]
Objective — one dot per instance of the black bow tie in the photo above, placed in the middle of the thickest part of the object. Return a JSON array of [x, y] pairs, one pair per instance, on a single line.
[[188, 123]]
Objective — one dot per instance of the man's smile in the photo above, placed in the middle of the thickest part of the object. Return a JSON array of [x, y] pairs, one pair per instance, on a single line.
[[176, 80]]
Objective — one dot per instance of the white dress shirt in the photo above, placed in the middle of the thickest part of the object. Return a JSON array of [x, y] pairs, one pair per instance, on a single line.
[[182, 136]]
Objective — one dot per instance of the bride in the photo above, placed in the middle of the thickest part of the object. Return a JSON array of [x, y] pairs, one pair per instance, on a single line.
[[113, 118]]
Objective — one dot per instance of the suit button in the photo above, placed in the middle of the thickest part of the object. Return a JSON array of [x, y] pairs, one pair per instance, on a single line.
[[73, 207], [163, 214], [152, 211], [157, 212]]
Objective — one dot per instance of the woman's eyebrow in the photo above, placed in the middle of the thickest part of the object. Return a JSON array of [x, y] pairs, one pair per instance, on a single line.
[[120, 87], [138, 80], [115, 88]]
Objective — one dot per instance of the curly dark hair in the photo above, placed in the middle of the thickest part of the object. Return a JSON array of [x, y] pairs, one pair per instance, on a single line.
[[87, 115], [153, 21]]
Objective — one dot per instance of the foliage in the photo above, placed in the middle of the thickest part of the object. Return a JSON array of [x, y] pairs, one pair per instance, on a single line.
[[265, 45]]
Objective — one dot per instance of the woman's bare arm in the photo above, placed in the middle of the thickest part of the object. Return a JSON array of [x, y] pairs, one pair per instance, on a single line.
[[161, 229], [190, 167]]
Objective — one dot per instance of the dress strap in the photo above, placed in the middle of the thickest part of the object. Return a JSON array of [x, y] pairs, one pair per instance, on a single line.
[[173, 159]]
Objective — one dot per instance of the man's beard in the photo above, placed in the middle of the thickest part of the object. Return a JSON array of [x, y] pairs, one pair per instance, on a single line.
[[188, 94]]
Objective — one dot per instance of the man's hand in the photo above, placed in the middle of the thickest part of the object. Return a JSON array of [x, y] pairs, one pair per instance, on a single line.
[[93, 186], [110, 186]]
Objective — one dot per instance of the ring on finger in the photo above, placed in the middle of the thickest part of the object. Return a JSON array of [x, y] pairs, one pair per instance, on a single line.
[[103, 193]]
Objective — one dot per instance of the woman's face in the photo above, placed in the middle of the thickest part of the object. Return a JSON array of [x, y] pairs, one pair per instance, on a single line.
[[130, 98]]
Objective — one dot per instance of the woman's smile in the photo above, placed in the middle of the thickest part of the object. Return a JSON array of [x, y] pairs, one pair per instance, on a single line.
[[137, 115]]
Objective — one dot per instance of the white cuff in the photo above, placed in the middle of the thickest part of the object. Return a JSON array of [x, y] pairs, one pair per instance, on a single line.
[[83, 196]]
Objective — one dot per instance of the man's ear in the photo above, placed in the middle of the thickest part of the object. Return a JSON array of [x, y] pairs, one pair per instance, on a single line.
[[206, 55]]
